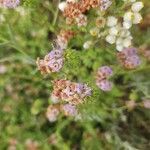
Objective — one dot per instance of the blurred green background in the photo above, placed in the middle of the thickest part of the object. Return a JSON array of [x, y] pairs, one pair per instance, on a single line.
[[27, 33]]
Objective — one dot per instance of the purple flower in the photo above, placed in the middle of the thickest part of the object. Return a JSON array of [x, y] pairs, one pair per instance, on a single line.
[[79, 88], [129, 51], [132, 62], [55, 54], [104, 85], [55, 65], [87, 90], [105, 70], [129, 58], [104, 4], [83, 89], [69, 110]]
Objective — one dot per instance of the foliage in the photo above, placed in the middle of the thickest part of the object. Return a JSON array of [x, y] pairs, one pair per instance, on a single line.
[[26, 33]]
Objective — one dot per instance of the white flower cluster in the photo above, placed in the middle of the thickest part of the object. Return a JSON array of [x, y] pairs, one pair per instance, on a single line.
[[133, 16], [120, 34]]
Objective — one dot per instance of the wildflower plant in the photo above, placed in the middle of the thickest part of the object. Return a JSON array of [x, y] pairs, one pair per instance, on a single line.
[[115, 31], [74, 74]]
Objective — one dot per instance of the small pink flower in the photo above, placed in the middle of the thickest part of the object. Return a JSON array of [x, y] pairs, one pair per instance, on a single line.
[[52, 113], [102, 76], [81, 20], [105, 4], [69, 110], [10, 3], [146, 104]]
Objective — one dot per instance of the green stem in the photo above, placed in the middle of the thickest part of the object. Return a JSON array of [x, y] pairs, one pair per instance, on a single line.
[[56, 14]]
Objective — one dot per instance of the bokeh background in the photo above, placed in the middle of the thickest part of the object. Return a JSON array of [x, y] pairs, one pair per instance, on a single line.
[[26, 33]]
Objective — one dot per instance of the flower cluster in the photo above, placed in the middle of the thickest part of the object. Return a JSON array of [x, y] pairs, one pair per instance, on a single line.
[[9, 3], [119, 32], [53, 61], [71, 92], [133, 16], [129, 58], [74, 10], [102, 76], [54, 110]]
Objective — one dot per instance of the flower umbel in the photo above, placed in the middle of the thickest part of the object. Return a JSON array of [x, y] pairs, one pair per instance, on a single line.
[[71, 92]]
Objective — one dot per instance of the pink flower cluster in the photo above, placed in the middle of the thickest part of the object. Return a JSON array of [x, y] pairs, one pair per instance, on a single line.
[[71, 92], [53, 61], [9, 3], [129, 58], [53, 111], [102, 76]]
